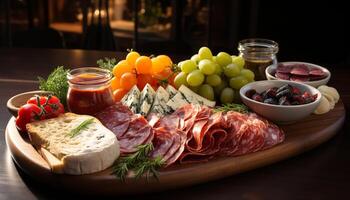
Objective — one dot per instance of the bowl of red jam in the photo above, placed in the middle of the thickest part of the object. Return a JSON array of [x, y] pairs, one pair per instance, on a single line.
[[89, 90]]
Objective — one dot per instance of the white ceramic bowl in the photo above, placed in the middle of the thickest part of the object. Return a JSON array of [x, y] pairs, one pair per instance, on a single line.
[[270, 70], [283, 114], [15, 102]]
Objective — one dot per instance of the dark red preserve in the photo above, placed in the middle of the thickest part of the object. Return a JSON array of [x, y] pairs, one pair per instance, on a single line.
[[89, 90]]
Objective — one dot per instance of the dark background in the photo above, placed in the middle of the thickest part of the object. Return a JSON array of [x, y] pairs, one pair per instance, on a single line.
[[312, 31]]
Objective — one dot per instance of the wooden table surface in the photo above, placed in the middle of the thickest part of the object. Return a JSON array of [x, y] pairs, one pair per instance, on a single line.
[[322, 173]]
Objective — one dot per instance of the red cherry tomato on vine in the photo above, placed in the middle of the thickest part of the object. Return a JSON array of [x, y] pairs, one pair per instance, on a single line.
[[28, 113]]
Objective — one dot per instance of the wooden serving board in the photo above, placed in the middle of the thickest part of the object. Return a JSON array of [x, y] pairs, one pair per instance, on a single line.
[[300, 137]]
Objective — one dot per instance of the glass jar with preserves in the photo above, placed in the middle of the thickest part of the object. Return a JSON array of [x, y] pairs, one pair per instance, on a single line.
[[258, 54], [89, 90]]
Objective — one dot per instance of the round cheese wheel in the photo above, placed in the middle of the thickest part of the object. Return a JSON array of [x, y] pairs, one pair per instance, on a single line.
[[331, 91], [330, 99]]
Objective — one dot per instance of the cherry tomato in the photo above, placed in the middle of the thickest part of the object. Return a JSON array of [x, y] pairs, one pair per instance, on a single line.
[[53, 107], [157, 65], [28, 113], [115, 83], [143, 79], [119, 94], [132, 57], [122, 67], [165, 60], [128, 80], [143, 65], [34, 100]]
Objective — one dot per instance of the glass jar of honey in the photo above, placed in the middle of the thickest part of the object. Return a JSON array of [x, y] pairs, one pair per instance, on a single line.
[[89, 90], [258, 54]]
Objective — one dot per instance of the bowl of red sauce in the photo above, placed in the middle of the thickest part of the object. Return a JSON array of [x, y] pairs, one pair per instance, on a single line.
[[89, 90]]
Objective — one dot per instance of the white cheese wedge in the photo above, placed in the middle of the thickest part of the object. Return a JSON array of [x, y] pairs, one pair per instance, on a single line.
[[132, 99], [159, 105], [146, 99], [194, 98], [177, 101], [171, 90], [92, 149]]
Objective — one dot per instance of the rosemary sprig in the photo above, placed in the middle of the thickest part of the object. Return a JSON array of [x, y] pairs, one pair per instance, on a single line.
[[107, 63], [139, 162], [232, 107], [81, 127]]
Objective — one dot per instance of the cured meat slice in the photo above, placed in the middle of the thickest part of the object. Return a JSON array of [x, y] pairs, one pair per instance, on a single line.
[[317, 72], [116, 118], [180, 150], [162, 142], [300, 70], [139, 132], [283, 76], [285, 69], [299, 78]]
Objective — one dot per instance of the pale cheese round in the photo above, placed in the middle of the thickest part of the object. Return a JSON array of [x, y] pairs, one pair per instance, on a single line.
[[323, 107]]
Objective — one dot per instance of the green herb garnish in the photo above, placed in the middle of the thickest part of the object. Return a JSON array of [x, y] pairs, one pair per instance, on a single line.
[[107, 63], [56, 83], [81, 127], [139, 162], [232, 107]]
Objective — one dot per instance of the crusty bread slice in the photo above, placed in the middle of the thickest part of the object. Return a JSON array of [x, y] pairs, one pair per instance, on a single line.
[[93, 149]]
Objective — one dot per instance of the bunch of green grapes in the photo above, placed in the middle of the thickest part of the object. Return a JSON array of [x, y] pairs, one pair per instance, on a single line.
[[214, 77]]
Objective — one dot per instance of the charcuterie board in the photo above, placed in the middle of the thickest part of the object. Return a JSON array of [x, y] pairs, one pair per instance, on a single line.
[[300, 137]]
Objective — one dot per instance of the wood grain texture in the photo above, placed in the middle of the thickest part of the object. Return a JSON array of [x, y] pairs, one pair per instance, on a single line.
[[300, 137]]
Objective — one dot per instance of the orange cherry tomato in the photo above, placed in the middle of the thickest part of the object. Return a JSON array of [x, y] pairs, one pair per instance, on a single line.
[[132, 57], [165, 74], [143, 65], [128, 80], [157, 65], [121, 68], [115, 83], [165, 60], [143, 79], [119, 94]]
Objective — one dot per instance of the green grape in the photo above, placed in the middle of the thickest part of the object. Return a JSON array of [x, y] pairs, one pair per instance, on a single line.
[[227, 95], [213, 59], [232, 70], [223, 59], [195, 58], [205, 53], [213, 80], [220, 87], [238, 82], [238, 60], [180, 79], [206, 66], [206, 91], [218, 69], [194, 88], [195, 78], [248, 74], [188, 65]]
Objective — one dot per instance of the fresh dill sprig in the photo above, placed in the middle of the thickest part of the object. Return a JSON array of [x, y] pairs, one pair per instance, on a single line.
[[107, 63], [232, 107], [139, 162], [82, 126]]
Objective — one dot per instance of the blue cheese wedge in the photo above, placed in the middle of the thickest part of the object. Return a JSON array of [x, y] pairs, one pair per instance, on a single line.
[[177, 101], [194, 98], [159, 105], [132, 99], [146, 99], [171, 90]]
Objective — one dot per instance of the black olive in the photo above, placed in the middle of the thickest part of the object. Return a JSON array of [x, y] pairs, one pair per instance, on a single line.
[[284, 87], [283, 101], [271, 101], [257, 97], [250, 93], [284, 93], [271, 93]]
